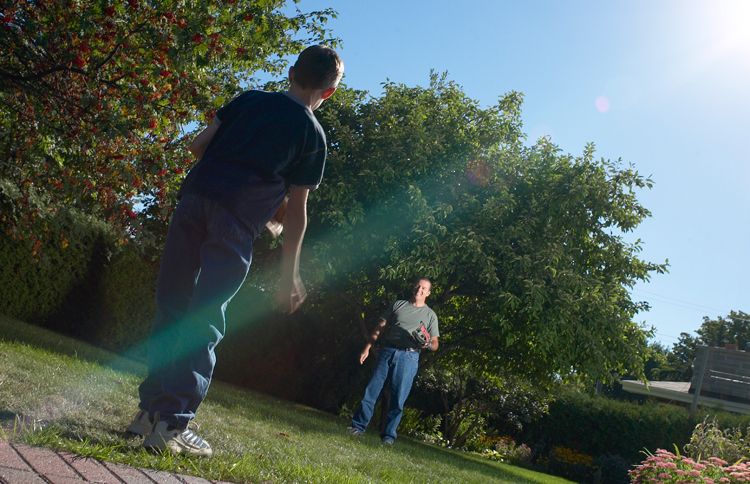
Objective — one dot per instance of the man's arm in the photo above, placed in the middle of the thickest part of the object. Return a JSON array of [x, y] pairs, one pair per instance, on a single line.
[[373, 338], [201, 142], [433, 344], [291, 290]]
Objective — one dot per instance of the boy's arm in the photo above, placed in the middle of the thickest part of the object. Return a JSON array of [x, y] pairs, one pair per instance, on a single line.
[[373, 338], [201, 142], [291, 290]]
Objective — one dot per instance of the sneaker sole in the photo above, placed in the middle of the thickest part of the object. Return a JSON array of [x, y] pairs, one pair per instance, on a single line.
[[173, 448], [178, 450]]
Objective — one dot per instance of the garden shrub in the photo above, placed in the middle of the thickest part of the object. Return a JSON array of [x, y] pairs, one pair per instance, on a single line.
[[599, 426], [708, 440], [73, 275], [44, 273], [126, 304], [416, 424], [667, 467], [612, 469], [570, 463], [503, 448]]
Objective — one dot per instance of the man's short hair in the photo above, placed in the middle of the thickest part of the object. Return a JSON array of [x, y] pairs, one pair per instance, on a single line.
[[318, 67], [418, 279]]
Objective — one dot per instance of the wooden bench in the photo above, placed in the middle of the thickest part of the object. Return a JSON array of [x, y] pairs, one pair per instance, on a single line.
[[720, 373]]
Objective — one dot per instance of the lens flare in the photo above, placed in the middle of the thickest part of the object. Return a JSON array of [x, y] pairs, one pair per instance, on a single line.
[[478, 172], [602, 104]]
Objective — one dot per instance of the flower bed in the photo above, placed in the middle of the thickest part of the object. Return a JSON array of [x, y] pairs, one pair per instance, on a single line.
[[666, 467]]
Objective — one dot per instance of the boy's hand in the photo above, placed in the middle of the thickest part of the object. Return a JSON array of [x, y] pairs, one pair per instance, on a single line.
[[292, 292], [276, 224], [291, 295], [363, 356]]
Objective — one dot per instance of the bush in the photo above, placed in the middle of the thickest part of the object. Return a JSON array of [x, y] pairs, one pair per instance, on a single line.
[[612, 469], [416, 424], [44, 273], [708, 440], [126, 304], [73, 275], [666, 467], [598, 426], [505, 449], [570, 463]]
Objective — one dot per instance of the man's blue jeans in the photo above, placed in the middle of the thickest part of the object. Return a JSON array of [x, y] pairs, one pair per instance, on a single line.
[[401, 367], [205, 261]]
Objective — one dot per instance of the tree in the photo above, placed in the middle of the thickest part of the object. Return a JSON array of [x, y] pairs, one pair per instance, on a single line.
[[470, 401], [524, 244], [96, 98], [732, 329]]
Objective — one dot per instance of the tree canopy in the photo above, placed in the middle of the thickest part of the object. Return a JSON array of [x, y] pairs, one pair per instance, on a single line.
[[524, 244], [95, 97], [733, 329]]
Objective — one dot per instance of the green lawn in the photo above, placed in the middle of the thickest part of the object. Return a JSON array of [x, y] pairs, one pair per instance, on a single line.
[[61, 393]]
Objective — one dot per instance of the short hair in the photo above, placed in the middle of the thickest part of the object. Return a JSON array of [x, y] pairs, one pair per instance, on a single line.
[[416, 281], [318, 67]]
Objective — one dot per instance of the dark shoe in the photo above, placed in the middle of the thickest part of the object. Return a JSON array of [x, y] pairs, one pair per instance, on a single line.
[[355, 431]]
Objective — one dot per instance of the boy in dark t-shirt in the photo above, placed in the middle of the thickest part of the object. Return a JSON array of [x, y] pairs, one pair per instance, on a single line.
[[260, 148]]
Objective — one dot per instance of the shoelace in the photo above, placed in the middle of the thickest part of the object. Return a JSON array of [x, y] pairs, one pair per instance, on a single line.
[[191, 438]]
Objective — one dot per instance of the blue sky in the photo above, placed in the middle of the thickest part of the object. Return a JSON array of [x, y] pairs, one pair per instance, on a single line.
[[663, 85]]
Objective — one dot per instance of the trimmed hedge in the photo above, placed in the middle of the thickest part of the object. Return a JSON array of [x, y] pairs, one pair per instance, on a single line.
[[74, 277], [39, 278], [126, 303], [600, 426]]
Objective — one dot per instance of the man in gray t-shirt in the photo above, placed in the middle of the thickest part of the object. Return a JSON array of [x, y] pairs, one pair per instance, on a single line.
[[410, 326]]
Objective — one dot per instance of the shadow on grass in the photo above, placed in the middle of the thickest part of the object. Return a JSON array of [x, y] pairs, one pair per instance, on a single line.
[[17, 331], [307, 421], [289, 415]]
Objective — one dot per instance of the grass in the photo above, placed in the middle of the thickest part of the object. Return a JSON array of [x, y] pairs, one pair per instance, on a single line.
[[60, 393]]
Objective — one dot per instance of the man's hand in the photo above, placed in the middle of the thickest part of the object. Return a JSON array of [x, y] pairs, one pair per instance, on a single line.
[[365, 353], [432, 345]]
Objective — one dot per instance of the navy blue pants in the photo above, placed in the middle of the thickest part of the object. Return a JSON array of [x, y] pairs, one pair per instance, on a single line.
[[401, 367], [205, 261]]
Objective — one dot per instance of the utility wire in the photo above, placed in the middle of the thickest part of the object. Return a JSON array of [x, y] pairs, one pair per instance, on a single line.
[[685, 304]]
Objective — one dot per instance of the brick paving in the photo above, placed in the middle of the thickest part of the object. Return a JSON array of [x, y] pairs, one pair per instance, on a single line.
[[21, 464]]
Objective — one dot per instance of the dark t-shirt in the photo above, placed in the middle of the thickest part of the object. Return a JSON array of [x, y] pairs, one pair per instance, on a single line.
[[266, 141], [403, 318]]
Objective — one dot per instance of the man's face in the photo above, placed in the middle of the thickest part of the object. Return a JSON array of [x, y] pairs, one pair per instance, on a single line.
[[422, 289]]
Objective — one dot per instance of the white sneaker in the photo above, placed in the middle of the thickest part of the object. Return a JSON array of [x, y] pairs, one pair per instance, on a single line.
[[177, 441], [141, 424]]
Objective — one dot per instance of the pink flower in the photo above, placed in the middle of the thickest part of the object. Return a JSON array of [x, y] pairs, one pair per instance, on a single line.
[[724, 479], [716, 460], [663, 475], [694, 473]]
